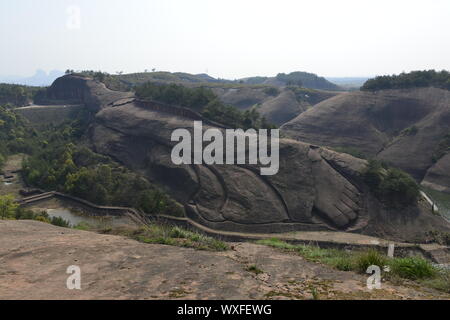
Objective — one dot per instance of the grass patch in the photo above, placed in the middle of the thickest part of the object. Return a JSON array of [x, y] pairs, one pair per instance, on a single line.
[[338, 259], [60, 222], [254, 269], [84, 226], [315, 293], [411, 268], [441, 281], [368, 258], [172, 236]]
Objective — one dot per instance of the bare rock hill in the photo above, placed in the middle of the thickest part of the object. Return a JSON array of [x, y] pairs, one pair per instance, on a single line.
[[438, 176], [277, 105], [405, 128], [272, 98], [73, 89]]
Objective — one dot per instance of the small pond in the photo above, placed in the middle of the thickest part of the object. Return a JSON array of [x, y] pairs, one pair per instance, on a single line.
[[58, 208]]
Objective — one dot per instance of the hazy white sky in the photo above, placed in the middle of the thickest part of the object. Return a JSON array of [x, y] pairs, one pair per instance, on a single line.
[[228, 39]]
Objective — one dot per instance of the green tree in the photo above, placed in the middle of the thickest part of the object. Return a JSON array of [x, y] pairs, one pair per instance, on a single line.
[[8, 207], [392, 186], [425, 78]]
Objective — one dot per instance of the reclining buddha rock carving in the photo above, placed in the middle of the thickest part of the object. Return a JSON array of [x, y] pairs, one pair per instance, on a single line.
[[307, 192], [336, 197]]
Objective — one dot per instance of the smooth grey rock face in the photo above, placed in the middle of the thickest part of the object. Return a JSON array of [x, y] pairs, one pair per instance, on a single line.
[[307, 190], [76, 89]]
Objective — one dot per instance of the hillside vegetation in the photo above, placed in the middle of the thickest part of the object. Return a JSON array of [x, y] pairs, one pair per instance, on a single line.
[[297, 78], [414, 79], [14, 137], [204, 101], [122, 81], [58, 161], [307, 80], [16, 95], [392, 186]]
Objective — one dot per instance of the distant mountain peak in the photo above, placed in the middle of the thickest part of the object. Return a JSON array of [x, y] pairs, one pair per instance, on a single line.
[[39, 79]]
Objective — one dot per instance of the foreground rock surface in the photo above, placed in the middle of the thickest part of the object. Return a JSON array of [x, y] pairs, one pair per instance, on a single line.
[[34, 257]]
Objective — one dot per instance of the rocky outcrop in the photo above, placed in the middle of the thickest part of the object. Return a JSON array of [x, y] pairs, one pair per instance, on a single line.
[[438, 176], [315, 188], [401, 127], [241, 97], [282, 108], [277, 105], [73, 89]]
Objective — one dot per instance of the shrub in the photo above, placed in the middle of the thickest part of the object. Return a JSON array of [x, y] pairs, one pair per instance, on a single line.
[[60, 222], [413, 268], [399, 188], [305, 79], [411, 131], [315, 294], [177, 232], [439, 237], [373, 174], [343, 263], [369, 258], [98, 179], [42, 219], [202, 100], [440, 282], [7, 207], [253, 268], [391, 185]]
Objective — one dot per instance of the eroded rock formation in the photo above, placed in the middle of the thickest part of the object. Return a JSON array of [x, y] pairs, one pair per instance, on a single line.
[[401, 127], [315, 188]]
